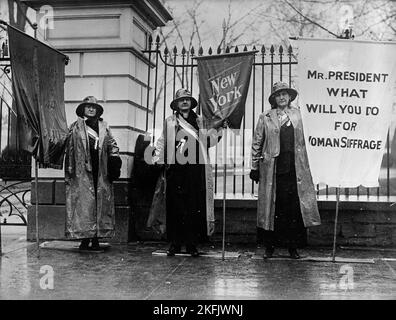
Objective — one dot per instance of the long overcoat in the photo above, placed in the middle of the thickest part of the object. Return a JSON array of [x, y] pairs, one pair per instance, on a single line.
[[165, 148], [265, 149], [88, 215]]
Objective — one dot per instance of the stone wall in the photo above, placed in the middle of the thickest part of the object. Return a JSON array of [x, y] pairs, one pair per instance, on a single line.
[[52, 212], [359, 223]]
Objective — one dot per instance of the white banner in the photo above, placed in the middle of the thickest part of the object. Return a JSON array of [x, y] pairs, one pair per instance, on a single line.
[[346, 92]]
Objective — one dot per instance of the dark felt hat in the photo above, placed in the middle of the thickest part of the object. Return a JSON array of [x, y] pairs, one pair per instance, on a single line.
[[281, 86], [90, 100], [182, 94]]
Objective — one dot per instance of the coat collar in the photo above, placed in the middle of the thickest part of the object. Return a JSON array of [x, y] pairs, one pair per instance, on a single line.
[[84, 134], [102, 132], [293, 116], [272, 114], [174, 121], [291, 112]]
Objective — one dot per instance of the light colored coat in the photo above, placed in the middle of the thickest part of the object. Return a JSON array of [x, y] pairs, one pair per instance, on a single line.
[[265, 149], [88, 217], [166, 143]]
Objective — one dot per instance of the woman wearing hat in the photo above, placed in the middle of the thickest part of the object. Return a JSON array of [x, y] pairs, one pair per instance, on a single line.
[[286, 196], [92, 163], [188, 180]]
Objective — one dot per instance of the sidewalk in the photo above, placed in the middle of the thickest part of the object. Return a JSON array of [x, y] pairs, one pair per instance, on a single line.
[[133, 272]]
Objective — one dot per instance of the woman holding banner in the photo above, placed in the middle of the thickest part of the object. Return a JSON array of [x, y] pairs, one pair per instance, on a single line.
[[187, 182], [92, 163], [279, 163]]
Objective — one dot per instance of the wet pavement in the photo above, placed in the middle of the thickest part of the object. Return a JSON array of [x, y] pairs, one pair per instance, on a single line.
[[133, 272]]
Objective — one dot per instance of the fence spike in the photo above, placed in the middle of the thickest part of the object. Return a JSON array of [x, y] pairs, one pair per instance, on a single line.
[[245, 48], [150, 39], [166, 51], [218, 50], [210, 51], [157, 39], [174, 50], [263, 50], [236, 49], [281, 49], [290, 50], [272, 49], [228, 49], [183, 51], [192, 51], [200, 51], [254, 48]]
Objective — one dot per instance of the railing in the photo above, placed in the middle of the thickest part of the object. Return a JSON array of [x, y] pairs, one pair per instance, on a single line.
[[171, 69], [14, 200]]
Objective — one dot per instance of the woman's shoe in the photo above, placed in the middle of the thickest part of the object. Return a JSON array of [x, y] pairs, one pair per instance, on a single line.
[[294, 254], [269, 251], [192, 250], [194, 254], [173, 249], [95, 244], [84, 244]]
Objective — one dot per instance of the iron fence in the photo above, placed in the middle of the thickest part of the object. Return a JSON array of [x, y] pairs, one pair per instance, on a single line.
[[170, 69]]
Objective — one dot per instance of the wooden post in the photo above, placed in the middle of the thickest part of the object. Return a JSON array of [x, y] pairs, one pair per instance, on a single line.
[[224, 189], [37, 200]]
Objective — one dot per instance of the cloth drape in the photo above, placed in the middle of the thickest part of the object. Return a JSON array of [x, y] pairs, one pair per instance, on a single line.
[[38, 76]]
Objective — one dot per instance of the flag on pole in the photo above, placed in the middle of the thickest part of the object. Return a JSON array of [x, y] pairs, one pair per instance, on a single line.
[[38, 76], [223, 87]]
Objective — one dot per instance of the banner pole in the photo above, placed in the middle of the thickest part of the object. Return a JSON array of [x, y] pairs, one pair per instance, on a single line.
[[224, 188], [335, 222], [37, 200]]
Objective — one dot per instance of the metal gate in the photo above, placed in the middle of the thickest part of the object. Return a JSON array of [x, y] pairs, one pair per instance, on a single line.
[[172, 68]]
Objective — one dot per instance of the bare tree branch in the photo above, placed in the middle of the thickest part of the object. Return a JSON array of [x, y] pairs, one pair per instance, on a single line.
[[310, 20]]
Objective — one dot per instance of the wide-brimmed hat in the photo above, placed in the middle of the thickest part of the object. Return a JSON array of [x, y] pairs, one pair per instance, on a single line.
[[182, 94], [90, 100], [280, 86]]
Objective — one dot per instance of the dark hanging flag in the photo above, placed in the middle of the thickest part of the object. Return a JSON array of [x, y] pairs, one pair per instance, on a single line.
[[223, 86], [38, 76]]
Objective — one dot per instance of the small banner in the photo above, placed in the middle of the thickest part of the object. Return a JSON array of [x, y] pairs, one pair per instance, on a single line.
[[38, 76], [223, 86], [346, 94]]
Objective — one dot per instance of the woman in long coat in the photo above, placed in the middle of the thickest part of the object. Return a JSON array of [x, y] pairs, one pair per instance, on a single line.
[[183, 201], [92, 162], [279, 162]]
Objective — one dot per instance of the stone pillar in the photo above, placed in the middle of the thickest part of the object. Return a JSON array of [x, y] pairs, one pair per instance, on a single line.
[[104, 41]]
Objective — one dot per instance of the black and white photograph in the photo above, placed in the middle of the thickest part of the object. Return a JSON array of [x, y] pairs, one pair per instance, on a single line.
[[197, 156]]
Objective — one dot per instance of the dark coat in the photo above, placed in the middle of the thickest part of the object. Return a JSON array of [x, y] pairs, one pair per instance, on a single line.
[[165, 148]]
